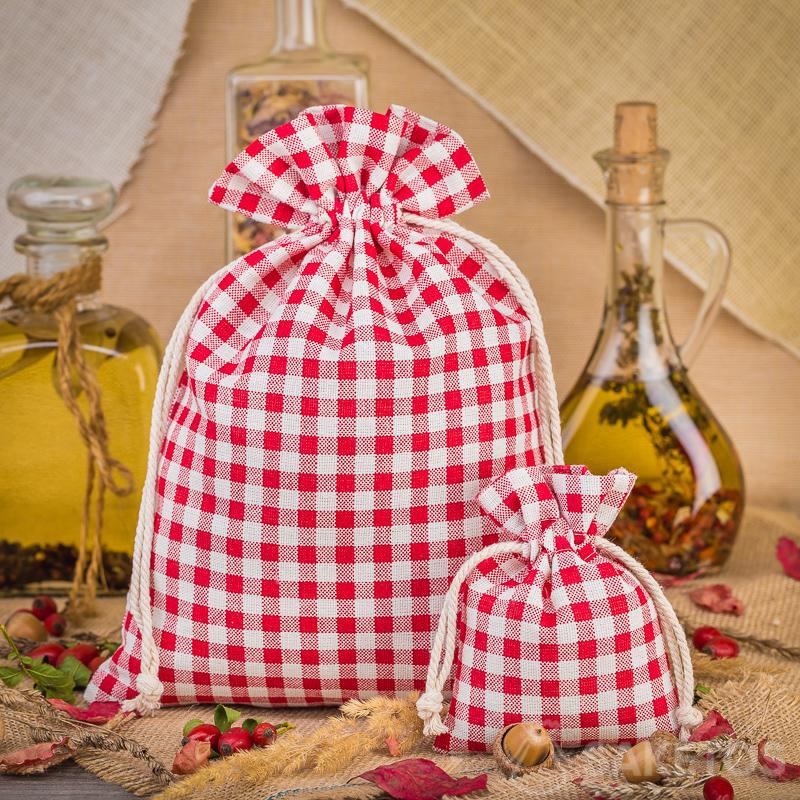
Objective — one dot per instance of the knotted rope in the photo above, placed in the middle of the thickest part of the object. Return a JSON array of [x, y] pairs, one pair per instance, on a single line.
[[57, 296]]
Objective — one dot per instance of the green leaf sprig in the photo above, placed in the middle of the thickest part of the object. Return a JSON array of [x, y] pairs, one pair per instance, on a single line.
[[49, 680]]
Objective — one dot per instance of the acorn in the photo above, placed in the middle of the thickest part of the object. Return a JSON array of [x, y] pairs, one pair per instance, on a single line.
[[639, 764], [523, 747]]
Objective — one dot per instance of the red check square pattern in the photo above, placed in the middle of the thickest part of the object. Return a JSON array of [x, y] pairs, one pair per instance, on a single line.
[[570, 638], [348, 390]]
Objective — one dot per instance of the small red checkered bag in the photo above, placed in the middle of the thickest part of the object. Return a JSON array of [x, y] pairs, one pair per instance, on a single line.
[[556, 625], [328, 409]]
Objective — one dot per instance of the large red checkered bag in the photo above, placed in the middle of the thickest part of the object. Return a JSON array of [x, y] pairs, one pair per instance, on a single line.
[[329, 407], [556, 625]]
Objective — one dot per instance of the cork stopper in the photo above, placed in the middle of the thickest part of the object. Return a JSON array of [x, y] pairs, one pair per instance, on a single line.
[[635, 166], [635, 128]]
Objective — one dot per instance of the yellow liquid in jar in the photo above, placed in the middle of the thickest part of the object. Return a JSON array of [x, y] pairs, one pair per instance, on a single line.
[[43, 462], [686, 507]]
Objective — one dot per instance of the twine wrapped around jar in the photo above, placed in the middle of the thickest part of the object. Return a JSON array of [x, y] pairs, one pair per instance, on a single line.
[[57, 296]]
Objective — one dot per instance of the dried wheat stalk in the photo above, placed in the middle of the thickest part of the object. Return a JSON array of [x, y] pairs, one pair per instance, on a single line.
[[362, 727]]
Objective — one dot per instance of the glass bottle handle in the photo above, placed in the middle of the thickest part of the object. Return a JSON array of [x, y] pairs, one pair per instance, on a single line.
[[720, 249]]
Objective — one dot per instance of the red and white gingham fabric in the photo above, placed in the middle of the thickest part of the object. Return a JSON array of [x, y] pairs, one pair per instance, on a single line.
[[566, 637], [348, 389]]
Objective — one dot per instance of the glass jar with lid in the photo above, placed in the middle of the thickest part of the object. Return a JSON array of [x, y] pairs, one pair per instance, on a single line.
[[55, 334]]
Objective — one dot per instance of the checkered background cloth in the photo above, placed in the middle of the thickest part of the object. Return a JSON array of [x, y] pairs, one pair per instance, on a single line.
[[348, 390], [569, 638]]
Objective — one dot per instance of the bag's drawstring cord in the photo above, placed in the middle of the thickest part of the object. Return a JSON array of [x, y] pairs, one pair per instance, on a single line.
[[149, 688], [542, 366], [687, 716], [431, 702]]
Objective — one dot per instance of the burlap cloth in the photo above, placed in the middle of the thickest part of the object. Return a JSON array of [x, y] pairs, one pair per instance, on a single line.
[[759, 693], [723, 74]]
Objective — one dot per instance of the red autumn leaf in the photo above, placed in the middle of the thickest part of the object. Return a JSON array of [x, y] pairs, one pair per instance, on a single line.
[[191, 757], [779, 770], [36, 758], [97, 713], [788, 553], [717, 597], [421, 779], [713, 725]]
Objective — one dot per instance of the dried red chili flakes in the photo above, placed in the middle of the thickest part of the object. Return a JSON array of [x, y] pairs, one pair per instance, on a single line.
[[788, 553], [717, 597]]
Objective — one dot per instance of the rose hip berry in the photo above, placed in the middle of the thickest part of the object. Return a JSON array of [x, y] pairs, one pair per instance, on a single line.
[[204, 733], [234, 740], [702, 636], [95, 663], [48, 652], [722, 647], [718, 788], [83, 652], [264, 734], [56, 624], [43, 606]]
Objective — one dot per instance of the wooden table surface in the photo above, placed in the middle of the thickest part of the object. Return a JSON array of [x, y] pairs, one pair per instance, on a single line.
[[66, 780]]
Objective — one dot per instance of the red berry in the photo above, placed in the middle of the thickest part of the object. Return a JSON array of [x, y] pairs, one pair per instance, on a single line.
[[264, 734], [48, 652], [95, 663], [721, 647], [83, 652], [703, 635], [234, 740], [718, 788], [56, 624], [204, 733], [43, 606]]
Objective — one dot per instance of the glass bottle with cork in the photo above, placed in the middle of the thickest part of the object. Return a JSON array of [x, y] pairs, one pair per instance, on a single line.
[[301, 71], [77, 379], [634, 403]]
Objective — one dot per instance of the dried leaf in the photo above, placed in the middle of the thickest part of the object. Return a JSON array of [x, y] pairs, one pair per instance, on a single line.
[[788, 553], [96, 713], [36, 758], [191, 757], [712, 726], [421, 779], [717, 597], [779, 770]]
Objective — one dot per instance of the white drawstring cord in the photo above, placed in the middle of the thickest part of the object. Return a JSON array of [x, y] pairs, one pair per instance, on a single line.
[[149, 688], [511, 275], [687, 716], [430, 703]]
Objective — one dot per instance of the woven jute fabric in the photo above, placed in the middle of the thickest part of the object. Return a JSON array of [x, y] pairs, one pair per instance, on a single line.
[[722, 73], [759, 693]]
